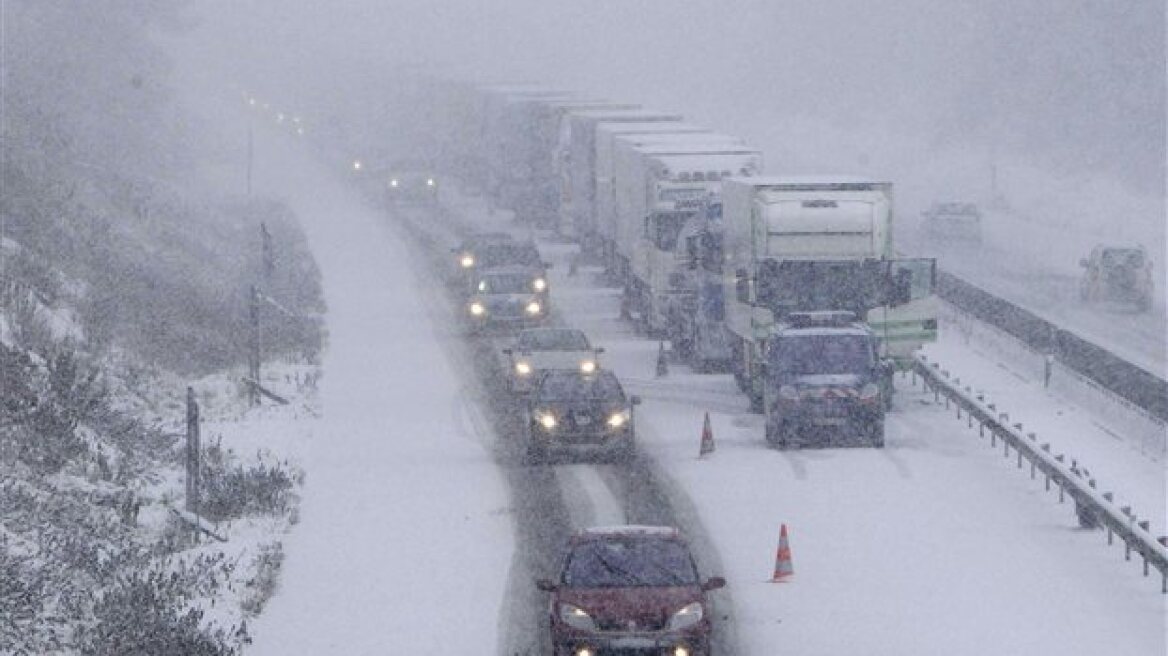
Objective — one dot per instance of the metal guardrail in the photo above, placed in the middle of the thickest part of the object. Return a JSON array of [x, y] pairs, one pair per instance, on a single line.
[[1111, 372], [1094, 508]]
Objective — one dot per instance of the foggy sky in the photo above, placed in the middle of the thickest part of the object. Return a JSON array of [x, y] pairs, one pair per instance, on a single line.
[[1074, 85]]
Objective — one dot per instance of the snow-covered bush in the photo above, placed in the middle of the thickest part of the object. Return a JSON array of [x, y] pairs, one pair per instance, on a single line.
[[231, 490]]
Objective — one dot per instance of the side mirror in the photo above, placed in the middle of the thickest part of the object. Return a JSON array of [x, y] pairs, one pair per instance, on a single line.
[[598, 350], [1083, 262], [635, 399], [508, 351], [713, 583], [545, 584]]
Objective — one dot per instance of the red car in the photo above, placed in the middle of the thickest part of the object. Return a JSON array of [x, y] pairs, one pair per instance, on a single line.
[[630, 590]]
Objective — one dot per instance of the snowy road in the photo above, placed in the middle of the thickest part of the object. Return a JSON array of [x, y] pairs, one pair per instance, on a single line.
[[405, 539]]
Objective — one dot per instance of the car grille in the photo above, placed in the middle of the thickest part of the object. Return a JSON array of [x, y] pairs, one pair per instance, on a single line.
[[622, 625], [835, 408], [583, 420]]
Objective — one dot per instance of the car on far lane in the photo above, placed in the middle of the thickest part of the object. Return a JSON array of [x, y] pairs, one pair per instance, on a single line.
[[577, 413], [630, 590], [536, 350], [411, 185], [953, 222]]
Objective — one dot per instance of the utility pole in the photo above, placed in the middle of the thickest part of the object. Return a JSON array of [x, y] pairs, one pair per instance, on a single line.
[[250, 150], [193, 452], [267, 254], [253, 360]]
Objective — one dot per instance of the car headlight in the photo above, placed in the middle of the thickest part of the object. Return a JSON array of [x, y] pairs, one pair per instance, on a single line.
[[588, 366], [547, 420], [576, 618], [429, 182], [688, 616], [618, 419], [534, 308], [477, 309], [466, 261], [523, 368], [869, 392], [539, 284], [788, 393], [393, 183]]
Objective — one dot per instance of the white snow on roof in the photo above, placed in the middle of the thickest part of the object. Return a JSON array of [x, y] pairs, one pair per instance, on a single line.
[[631, 529], [811, 180]]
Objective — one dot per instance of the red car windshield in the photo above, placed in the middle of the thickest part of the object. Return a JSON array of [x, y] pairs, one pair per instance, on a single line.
[[618, 563]]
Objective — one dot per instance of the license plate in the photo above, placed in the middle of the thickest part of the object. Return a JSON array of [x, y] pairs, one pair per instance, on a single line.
[[583, 420], [829, 421]]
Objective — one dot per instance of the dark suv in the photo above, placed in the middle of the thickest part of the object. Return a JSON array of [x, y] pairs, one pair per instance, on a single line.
[[493, 250], [630, 590], [1117, 274], [824, 379], [574, 412]]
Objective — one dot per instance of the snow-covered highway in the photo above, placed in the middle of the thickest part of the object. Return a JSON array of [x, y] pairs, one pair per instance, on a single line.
[[416, 489]]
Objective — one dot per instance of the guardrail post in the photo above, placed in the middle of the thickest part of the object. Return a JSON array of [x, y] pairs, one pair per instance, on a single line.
[[1144, 526], [1110, 533]]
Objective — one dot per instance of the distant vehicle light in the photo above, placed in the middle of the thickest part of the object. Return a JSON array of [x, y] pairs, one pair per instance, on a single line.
[[477, 309], [429, 182], [357, 165], [523, 368], [393, 183], [588, 366], [539, 284], [547, 420], [467, 261], [534, 308]]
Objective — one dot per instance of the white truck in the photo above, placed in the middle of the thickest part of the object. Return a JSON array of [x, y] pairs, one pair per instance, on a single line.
[[795, 245], [578, 207], [533, 144], [662, 191], [606, 138], [504, 131], [607, 147]]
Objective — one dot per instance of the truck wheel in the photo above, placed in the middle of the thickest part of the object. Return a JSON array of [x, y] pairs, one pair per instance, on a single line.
[[774, 434], [876, 433], [756, 402], [738, 364]]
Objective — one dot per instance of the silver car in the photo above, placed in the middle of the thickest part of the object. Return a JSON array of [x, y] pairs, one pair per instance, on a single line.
[[536, 350]]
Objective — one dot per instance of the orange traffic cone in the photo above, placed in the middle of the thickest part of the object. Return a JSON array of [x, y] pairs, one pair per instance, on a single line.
[[783, 567], [707, 438]]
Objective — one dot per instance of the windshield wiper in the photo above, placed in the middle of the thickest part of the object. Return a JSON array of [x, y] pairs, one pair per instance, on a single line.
[[616, 569]]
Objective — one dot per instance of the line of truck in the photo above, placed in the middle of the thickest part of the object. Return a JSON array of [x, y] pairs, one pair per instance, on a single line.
[[713, 254]]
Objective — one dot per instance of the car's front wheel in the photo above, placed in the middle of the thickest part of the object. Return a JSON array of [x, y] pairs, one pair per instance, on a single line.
[[876, 433]]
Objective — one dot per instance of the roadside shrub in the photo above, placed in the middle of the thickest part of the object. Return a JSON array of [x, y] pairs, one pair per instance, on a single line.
[[231, 490], [262, 586], [145, 615]]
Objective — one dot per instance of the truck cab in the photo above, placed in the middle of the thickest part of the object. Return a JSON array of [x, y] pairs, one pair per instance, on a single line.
[[825, 383]]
